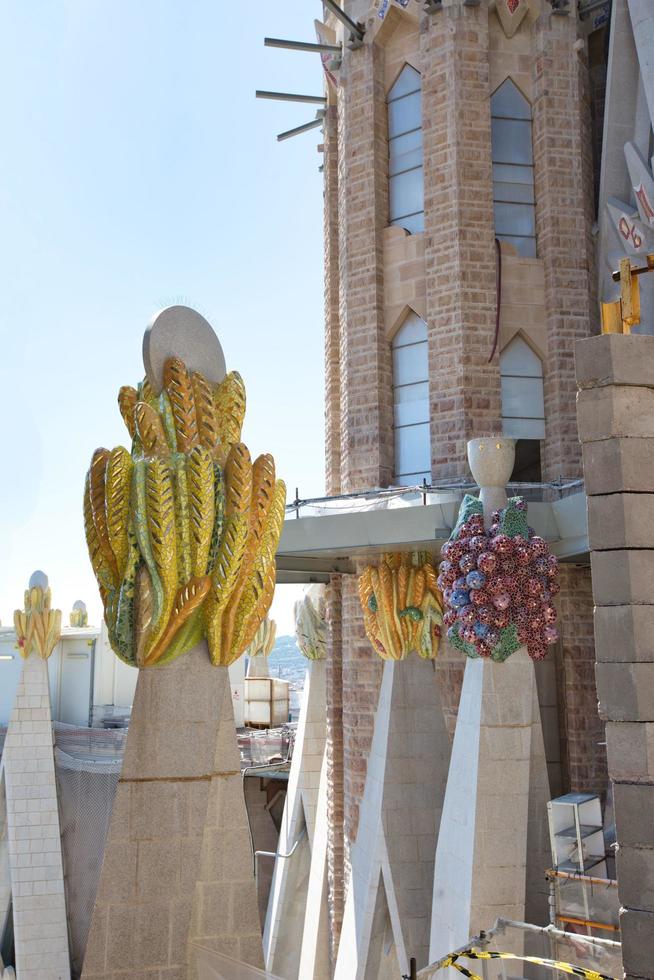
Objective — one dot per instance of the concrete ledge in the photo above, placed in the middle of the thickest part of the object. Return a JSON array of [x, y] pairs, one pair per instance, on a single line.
[[615, 359], [634, 816], [637, 930], [630, 751], [611, 412], [625, 691], [621, 520], [624, 634], [635, 867], [622, 577], [619, 465]]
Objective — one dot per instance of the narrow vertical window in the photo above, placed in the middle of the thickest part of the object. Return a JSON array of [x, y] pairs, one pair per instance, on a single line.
[[523, 409], [405, 188], [411, 403], [513, 169]]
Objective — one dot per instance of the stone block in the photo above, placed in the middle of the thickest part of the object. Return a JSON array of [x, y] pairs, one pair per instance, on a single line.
[[153, 935], [158, 869], [168, 801], [634, 814], [635, 867], [625, 691], [622, 577], [604, 413], [617, 465], [624, 633], [621, 520], [615, 359], [630, 751], [637, 930], [121, 939], [118, 884]]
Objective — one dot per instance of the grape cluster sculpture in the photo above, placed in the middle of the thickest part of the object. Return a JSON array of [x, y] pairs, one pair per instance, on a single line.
[[498, 584], [182, 531], [402, 606]]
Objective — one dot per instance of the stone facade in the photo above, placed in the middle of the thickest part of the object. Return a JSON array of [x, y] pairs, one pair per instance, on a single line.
[[616, 424], [375, 274]]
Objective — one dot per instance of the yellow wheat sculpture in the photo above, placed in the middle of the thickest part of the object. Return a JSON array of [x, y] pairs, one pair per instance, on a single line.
[[402, 606], [38, 626], [264, 639], [182, 532], [311, 625]]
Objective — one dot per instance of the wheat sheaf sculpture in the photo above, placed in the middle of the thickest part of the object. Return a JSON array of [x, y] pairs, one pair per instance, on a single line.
[[182, 532]]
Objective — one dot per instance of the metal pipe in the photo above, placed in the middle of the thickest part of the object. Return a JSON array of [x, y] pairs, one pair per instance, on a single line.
[[577, 876], [278, 42], [501, 924], [244, 772], [587, 923], [358, 30], [290, 97], [314, 124], [279, 854]]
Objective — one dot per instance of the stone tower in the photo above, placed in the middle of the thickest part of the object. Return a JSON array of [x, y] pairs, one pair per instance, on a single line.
[[457, 179]]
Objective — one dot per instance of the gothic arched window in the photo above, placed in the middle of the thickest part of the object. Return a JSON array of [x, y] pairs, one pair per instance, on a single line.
[[411, 403], [513, 169], [405, 181], [523, 408]]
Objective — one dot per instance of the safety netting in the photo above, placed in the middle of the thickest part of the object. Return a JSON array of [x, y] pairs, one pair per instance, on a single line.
[[87, 765]]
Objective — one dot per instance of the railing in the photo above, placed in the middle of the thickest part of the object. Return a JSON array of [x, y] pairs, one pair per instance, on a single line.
[[531, 491]]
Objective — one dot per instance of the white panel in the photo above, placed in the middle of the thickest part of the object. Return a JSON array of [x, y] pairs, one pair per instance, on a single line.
[[411, 404], [412, 479], [405, 114], [511, 141], [412, 331], [410, 364], [525, 246], [407, 81], [523, 428], [412, 449], [75, 694], [509, 101], [406, 193], [514, 219], [519, 359], [405, 152], [414, 223], [522, 398], [11, 664]]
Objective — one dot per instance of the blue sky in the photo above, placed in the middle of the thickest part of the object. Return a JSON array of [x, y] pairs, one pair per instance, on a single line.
[[137, 170]]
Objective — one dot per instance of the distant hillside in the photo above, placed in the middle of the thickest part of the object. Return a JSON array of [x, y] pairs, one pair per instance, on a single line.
[[287, 662]]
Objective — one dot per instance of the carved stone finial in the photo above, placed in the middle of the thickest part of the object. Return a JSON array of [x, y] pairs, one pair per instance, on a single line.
[[38, 627], [491, 463], [179, 331], [79, 616]]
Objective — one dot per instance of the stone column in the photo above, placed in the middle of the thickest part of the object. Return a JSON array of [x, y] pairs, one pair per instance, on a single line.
[[37, 879], [616, 427], [492, 839], [365, 356], [459, 234], [288, 891], [178, 861], [334, 758], [564, 218], [331, 298], [392, 859]]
